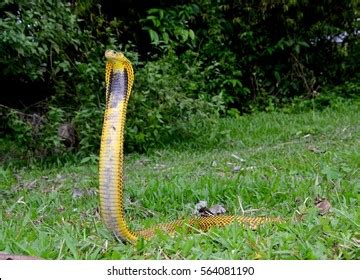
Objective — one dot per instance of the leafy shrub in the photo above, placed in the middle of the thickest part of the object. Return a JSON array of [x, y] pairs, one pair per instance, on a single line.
[[329, 96], [349, 89], [166, 106], [163, 108], [88, 124], [38, 133], [199, 60], [21, 128], [171, 29]]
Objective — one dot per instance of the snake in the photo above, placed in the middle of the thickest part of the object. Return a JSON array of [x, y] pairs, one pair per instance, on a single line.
[[119, 79]]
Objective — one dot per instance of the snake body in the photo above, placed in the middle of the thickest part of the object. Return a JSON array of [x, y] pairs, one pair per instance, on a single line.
[[119, 78]]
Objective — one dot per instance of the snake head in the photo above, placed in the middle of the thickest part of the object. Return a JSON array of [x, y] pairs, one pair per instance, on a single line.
[[117, 61], [114, 56]]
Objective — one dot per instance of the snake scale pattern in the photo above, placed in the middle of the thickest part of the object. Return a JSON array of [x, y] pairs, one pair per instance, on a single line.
[[119, 78]]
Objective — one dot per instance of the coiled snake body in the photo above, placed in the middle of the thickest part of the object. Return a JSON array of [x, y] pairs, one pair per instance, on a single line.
[[119, 78]]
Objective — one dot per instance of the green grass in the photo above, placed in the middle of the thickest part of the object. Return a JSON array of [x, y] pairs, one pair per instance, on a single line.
[[284, 162]]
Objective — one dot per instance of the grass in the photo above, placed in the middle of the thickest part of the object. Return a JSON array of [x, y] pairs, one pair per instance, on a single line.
[[266, 164]]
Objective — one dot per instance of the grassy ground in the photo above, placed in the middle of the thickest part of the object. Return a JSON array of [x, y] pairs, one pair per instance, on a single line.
[[266, 164]]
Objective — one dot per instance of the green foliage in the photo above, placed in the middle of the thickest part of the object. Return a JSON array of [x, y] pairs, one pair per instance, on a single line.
[[334, 97], [165, 107], [21, 128], [347, 90], [50, 45], [38, 34], [36, 133], [170, 29], [49, 138], [262, 54], [193, 62], [88, 123], [276, 46]]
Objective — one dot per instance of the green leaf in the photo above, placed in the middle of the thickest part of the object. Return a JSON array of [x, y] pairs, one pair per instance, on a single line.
[[330, 173], [70, 244], [56, 48], [154, 37], [191, 34]]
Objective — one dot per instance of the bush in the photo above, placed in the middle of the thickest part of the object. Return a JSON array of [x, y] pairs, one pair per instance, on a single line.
[[37, 133], [328, 97], [200, 60], [166, 106]]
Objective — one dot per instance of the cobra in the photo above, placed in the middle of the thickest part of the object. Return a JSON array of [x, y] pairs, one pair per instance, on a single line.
[[119, 79]]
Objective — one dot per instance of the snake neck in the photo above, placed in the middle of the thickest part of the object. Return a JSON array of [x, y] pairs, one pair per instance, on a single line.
[[111, 156]]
